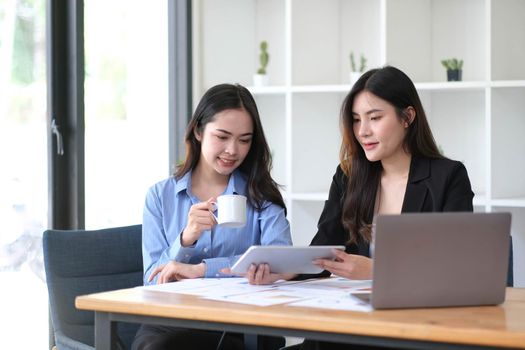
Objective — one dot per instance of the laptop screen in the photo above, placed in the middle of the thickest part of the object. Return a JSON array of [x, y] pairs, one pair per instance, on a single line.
[[440, 259]]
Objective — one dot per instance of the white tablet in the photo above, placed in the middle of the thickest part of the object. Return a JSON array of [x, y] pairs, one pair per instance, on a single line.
[[285, 259]]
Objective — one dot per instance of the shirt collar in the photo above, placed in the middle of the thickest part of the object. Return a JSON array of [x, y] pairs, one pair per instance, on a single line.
[[236, 183], [183, 183]]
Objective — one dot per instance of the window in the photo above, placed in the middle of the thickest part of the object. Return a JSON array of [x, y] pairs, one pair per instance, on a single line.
[[23, 179], [126, 108]]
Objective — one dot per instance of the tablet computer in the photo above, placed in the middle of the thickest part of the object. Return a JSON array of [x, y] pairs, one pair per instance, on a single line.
[[285, 259]]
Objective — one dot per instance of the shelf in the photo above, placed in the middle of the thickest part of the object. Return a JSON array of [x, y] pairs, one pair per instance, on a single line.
[[451, 85], [314, 117], [312, 196], [507, 33], [507, 83], [445, 29], [479, 200], [321, 88], [345, 88], [323, 37], [478, 121], [267, 90], [508, 143], [508, 202]]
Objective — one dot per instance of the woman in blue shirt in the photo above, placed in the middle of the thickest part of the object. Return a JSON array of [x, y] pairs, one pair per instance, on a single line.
[[226, 153]]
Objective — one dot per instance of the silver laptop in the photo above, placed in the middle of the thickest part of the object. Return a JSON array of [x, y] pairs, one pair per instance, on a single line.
[[440, 259]]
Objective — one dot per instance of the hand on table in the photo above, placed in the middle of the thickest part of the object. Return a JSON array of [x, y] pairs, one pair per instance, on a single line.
[[174, 271]]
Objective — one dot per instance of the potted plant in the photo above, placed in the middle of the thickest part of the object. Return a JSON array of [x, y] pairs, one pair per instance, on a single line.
[[355, 73], [454, 68], [260, 78]]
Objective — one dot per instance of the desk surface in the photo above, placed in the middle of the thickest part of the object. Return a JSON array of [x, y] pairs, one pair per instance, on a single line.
[[497, 326]]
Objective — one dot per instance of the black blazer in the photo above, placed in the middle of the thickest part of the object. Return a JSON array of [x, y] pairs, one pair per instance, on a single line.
[[434, 185]]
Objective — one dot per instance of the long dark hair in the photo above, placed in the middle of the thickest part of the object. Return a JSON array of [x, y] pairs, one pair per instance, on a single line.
[[364, 176], [258, 162]]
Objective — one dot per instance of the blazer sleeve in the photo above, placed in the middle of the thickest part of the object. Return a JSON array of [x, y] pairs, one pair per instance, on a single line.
[[458, 195]]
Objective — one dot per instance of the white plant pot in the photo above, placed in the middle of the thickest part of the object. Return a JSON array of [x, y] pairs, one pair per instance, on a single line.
[[353, 77], [260, 80]]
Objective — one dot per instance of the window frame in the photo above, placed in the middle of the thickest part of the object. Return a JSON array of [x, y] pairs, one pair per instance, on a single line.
[[65, 100]]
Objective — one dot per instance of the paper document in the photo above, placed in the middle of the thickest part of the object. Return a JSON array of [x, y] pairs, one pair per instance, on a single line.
[[348, 302], [261, 298], [329, 293], [334, 286], [187, 284]]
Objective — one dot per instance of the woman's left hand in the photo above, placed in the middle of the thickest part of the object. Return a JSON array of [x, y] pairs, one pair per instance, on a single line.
[[174, 271], [351, 266]]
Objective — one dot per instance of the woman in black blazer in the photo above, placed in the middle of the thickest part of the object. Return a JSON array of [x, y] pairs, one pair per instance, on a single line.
[[434, 185], [389, 164]]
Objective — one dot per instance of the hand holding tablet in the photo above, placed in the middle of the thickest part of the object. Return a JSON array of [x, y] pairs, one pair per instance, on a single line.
[[285, 259]]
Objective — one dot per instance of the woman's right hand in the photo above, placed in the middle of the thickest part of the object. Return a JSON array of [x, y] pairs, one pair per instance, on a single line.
[[200, 218]]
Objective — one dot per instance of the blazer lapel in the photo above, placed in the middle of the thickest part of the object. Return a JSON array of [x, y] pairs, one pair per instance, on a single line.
[[416, 191]]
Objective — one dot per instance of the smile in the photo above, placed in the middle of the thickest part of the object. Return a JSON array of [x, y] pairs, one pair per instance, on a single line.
[[227, 162], [369, 146]]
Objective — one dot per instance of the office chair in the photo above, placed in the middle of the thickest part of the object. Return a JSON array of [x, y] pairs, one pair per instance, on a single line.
[[81, 262], [510, 271]]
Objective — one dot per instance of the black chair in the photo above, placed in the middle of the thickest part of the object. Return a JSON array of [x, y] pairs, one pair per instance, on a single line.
[[81, 262], [510, 273]]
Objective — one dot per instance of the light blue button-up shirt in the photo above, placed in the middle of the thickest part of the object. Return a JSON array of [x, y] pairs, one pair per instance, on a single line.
[[166, 215]]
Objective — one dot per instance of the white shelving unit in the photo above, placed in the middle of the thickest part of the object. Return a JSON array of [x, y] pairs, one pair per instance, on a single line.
[[480, 120]]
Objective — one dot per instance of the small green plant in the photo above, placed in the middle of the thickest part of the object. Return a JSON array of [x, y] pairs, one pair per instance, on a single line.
[[264, 57], [362, 63], [454, 69], [452, 64]]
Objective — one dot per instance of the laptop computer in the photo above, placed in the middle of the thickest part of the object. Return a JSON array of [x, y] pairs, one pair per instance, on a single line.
[[440, 259]]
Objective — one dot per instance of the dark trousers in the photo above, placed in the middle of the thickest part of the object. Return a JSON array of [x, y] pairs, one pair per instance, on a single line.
[[153, 337]]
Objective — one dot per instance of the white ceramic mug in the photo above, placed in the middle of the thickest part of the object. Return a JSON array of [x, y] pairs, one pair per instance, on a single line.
[[231, 210]]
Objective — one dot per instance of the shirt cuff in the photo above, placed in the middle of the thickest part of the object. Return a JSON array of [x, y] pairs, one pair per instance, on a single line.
[[180, 253], [214, 266]]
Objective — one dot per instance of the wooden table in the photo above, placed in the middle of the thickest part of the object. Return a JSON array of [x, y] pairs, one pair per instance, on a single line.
[[488, 327]]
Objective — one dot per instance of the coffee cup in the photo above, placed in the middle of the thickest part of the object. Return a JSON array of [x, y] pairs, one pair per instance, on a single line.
[[231, 210]]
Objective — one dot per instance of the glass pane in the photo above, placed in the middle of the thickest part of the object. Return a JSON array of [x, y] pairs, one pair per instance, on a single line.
[[126, 106], [23, 178]]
